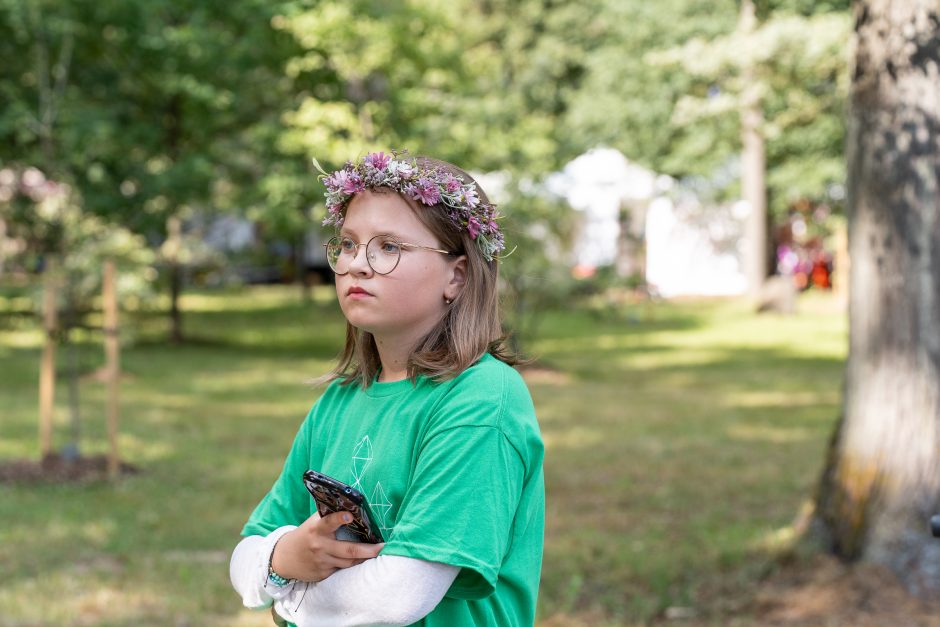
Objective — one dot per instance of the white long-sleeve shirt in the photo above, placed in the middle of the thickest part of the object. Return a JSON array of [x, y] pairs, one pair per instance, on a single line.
[[387, 590]]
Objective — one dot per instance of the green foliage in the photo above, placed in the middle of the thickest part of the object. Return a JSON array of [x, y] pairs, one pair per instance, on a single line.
[[766, 8], [49, 217], [528, 59], [625, 102], [150, 109], [378, 84], [797, 67], [536, 273], [481, 84], [162, 104], [157, 110]]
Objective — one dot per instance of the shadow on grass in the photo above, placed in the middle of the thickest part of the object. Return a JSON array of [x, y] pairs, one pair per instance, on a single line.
[[674, 445], [676, 471]]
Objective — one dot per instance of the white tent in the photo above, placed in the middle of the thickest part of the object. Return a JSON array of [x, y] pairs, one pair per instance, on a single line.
[[690, 248]]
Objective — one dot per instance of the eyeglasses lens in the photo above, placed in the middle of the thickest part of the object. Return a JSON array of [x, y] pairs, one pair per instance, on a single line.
[[382, 254]]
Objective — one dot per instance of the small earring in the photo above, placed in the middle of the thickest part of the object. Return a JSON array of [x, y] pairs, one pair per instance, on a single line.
[[448, 300]]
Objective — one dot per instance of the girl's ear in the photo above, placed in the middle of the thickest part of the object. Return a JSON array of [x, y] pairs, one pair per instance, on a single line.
[[458, 278]]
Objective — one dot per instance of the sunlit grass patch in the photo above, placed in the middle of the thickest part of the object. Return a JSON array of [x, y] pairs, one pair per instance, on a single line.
[[681, 441]]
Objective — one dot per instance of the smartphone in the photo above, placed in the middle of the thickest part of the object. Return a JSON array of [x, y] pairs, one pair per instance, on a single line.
[[335, 496]]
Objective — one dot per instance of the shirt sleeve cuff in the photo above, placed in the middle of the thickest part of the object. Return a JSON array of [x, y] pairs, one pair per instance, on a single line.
[[267, 549]]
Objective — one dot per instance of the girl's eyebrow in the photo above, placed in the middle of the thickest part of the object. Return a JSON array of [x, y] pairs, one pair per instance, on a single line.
[[352, 234]]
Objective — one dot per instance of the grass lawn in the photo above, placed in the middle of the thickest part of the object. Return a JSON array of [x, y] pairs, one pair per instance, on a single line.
[[681, 438]]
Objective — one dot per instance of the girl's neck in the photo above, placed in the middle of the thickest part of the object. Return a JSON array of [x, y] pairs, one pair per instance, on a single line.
[[393, 356]]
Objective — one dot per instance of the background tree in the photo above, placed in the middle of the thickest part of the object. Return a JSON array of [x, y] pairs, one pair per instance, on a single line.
[[72, 246], [882, 477], [482, 84], [163, 113], [780, 83], [626, 102]]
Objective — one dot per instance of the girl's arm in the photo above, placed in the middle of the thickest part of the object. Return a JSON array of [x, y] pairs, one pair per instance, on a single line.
[[387, 590], [248, 569], [307, 553]]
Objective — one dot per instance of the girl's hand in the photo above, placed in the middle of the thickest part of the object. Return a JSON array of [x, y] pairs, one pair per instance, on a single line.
[[312, 553]]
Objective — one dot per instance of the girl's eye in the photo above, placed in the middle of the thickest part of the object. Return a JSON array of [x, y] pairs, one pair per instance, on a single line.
[[346, 245], [389, 247]]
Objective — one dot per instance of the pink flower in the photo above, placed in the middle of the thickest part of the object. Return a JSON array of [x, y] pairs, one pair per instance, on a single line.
[[427, 191], [334, 215], [452, 184], [345, 181], [473, 227], [377, 160], [335, 181], [353, 184], [472, 198]]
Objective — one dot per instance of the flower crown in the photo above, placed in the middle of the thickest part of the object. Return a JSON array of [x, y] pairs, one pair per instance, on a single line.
[[428, 184]]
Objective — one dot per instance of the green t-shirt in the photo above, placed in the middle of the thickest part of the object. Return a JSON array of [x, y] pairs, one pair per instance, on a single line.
[[453, 473]]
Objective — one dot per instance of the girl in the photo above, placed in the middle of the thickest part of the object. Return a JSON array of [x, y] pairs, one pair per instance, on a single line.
[[425, 416]]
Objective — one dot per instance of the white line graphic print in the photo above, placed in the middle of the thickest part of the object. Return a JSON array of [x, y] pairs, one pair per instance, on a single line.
[[378, 501], [362, 459], [380, 507]]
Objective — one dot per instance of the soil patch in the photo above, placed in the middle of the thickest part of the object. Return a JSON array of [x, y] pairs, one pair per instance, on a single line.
[[826, 591], [817, 591], [57, 469]]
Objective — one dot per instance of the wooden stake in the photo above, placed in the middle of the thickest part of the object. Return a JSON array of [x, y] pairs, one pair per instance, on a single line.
[[47, 365], [112, 364]]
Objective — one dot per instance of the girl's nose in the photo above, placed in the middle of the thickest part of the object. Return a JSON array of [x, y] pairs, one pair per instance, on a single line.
[[360, 262]]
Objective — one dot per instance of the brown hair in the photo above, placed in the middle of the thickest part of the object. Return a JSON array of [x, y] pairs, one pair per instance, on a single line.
[[470, 326]]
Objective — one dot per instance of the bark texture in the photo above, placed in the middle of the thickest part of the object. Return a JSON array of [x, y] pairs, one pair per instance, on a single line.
[[882, 477], [753, 166]]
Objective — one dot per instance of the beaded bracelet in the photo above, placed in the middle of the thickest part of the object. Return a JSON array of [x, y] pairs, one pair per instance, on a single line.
[[273, 577], [276, 579]]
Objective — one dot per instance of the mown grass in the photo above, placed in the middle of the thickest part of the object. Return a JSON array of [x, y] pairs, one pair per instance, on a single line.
[[680, 437]]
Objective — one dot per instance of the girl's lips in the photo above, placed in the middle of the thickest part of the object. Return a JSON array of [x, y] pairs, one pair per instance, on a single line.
[[357, 292]]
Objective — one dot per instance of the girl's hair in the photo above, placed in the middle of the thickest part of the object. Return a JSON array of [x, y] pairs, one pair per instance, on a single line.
[[469, 327]]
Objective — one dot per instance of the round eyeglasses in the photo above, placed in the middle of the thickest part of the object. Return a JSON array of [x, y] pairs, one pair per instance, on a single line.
[[382, 253]]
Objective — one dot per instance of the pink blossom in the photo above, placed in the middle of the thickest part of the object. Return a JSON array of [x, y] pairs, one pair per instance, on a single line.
[[473, 227], [377, 160], [334, 215], [472, 198], [353, 184], [345, 181], [427, 191], [452, 184], [335, 181]]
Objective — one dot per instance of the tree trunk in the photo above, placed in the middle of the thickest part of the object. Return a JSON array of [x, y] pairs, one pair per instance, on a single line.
[[299, 259], [3, 246], [882, 477], [47, 365], [176, 290], [172, 251], [112, 351], [753, 167], [72, 449], [174, 224]]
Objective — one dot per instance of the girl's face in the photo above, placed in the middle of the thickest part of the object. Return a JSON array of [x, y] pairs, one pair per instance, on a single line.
[[405, 304]]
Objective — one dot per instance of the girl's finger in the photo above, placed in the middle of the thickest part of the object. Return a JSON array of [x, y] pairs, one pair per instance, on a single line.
[[352, 550], [331, 522]]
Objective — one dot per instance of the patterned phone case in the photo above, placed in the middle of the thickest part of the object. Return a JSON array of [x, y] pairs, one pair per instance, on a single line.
[[331, 496]]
